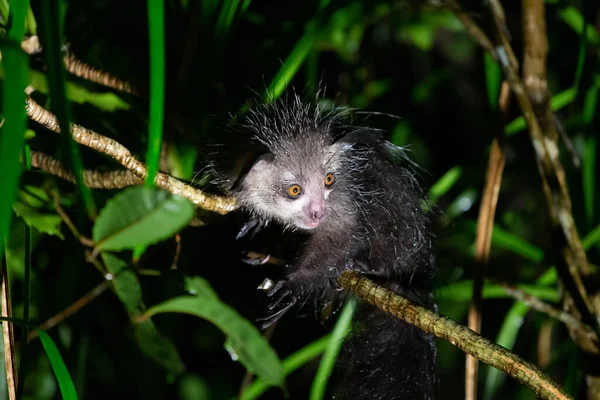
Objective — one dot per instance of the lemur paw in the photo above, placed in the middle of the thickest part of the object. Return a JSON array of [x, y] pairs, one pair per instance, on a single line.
[[283, 292], [256, 224]]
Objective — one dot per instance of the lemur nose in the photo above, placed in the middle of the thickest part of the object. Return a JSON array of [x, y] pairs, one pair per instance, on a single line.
[[318, 215]]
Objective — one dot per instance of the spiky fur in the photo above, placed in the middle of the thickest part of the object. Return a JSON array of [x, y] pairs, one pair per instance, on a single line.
[[374, 224]]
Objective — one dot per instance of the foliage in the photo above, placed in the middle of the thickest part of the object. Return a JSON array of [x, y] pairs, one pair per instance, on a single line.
[[417, 74]]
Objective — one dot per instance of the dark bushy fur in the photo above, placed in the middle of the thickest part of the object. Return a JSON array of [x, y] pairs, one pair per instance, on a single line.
[[375, 225]]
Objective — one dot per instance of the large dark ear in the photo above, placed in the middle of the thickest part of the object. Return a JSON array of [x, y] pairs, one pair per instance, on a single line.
[[362, 136], [253, 169]]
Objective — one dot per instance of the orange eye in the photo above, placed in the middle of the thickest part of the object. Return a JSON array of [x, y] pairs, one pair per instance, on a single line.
[[294, 191], [329, 179]]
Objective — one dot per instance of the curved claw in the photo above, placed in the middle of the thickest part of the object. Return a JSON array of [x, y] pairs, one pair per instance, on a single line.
[[253, 223], [255, 261], [285, 292]]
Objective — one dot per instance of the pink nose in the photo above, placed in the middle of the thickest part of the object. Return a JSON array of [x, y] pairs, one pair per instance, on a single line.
[[316, 212]]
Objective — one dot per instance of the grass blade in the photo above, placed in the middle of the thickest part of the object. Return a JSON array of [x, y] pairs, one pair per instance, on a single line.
[[290, 364], [445, 183], [589, 177], [341, 329], [294, 61], [52, 29], [156, 31], [12, 133], [65, 383], [493, 80]]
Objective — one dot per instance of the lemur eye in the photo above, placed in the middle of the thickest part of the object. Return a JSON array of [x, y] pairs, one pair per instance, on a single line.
[[294, 191], [329, 179]]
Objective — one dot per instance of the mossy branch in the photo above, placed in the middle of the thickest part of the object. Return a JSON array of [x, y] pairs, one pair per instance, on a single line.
[[123, 156], [447, 329]]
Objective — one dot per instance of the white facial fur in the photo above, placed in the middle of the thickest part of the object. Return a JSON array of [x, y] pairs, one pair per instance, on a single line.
[[266, 187]]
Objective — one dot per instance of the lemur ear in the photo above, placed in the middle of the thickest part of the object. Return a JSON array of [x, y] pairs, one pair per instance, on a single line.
[[362, 136], [256, 170]]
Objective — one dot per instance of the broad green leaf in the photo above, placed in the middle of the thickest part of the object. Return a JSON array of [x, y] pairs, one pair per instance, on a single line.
[[158, 347], [341, 329], [125, 283], [200, 287], [244, 339], [43, 223], [140, 216], [290, 364], [65, 383]]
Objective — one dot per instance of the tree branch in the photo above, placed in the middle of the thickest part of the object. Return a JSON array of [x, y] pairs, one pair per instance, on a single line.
[[123, 156], [460, 336], [76, 67], [91, 178]]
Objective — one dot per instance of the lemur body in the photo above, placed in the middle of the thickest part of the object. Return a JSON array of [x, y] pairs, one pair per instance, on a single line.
[[351, 191]]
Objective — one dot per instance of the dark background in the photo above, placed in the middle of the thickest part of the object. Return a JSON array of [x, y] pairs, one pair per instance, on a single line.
[[422, 77]]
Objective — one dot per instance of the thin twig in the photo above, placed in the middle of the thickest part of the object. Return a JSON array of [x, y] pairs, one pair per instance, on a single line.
[[8, 336], [123, 156], [483, 241], [65, 218], [32, 45], [72, 309], [536, 304], [458, 335]]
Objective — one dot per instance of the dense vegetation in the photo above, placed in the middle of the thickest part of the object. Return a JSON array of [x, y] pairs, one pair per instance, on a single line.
[[415, 72]]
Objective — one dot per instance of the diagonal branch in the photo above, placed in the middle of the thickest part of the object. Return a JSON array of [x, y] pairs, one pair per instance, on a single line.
[[123, 156], [92, 178], [76, 67], [460, 336]]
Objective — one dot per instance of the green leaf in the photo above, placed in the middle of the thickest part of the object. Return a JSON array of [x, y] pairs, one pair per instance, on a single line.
[[140, 216], [294, 60], [290, 364], [341, 329], [493, 80], [243, 338], [182, 158], [445, 183], [125, 283], [108, 101], [43, 223], [158, 347], [197, 286], [575, 20], [12, 133], [65, 383]]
